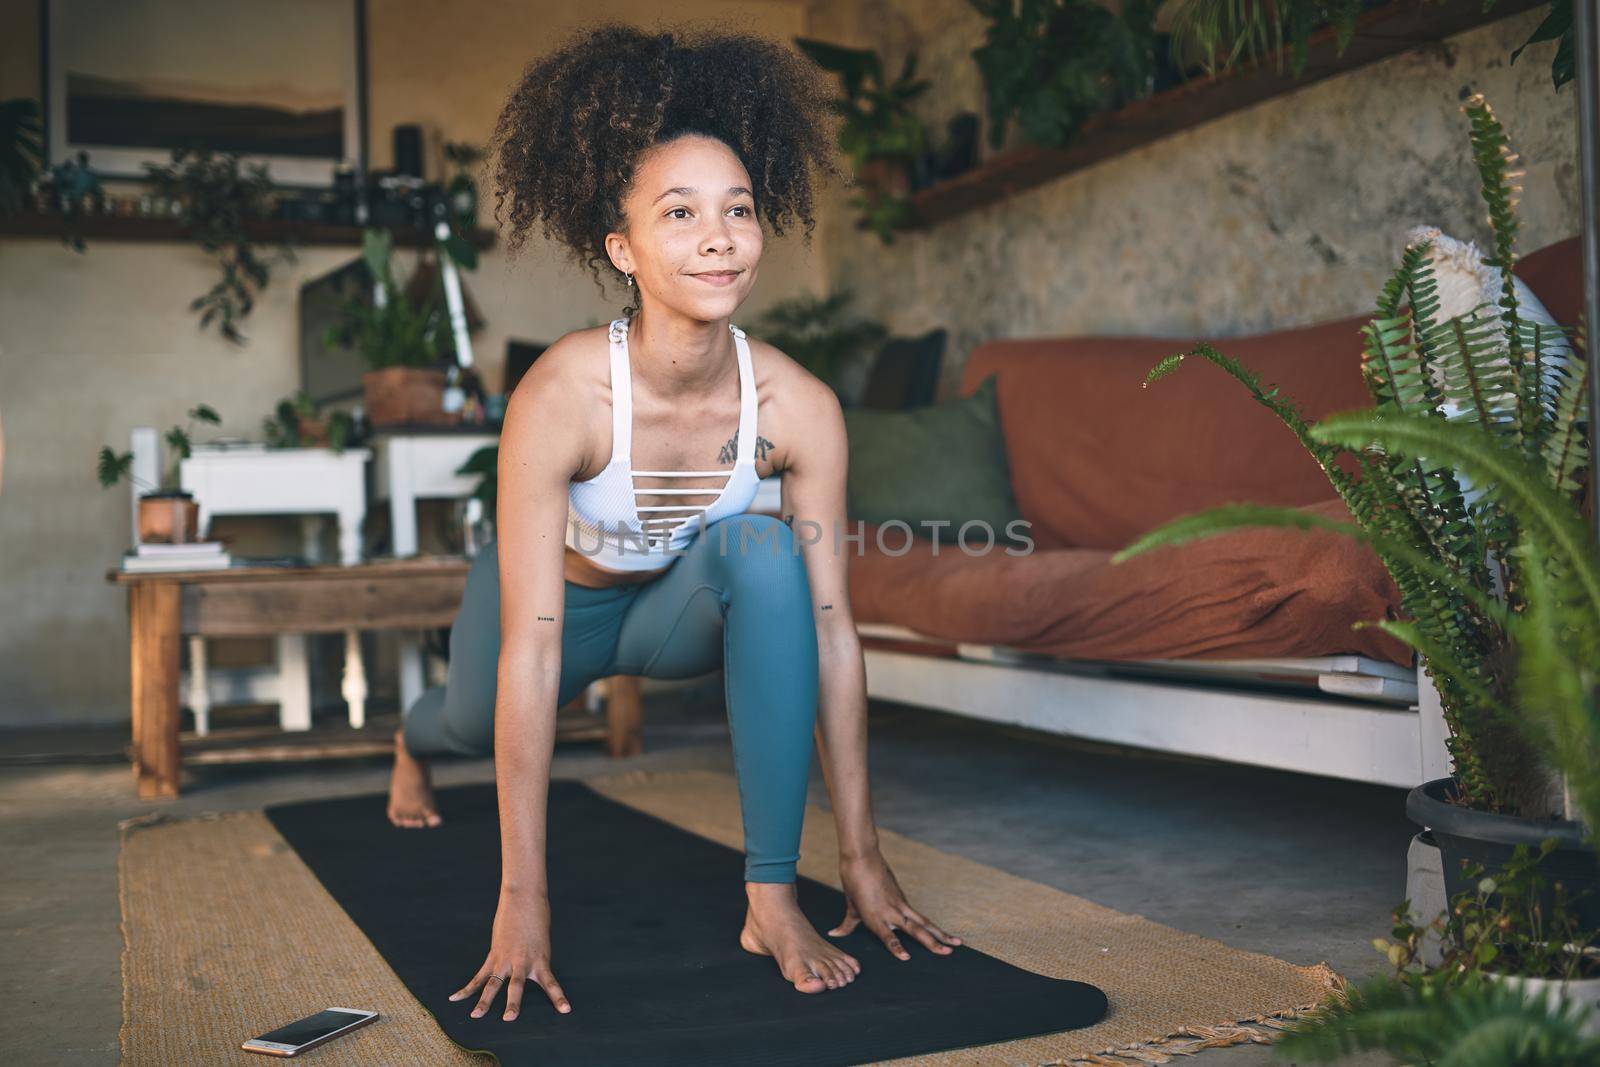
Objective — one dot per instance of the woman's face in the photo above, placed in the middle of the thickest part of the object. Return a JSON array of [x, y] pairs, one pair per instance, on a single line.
[[694, 239]]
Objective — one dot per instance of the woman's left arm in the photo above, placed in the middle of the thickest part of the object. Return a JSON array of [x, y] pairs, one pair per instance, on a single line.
[[813, 496]]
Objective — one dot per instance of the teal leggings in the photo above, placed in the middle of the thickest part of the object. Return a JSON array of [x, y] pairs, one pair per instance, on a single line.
[[737, 598]]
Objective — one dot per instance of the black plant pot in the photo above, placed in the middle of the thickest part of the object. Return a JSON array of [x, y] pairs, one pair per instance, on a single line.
[[1488, 839]]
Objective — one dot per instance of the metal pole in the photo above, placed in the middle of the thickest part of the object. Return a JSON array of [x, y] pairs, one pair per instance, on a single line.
[[1585, 26]]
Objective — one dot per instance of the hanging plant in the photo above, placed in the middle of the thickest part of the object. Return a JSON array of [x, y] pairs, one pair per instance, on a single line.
[[217, 203]]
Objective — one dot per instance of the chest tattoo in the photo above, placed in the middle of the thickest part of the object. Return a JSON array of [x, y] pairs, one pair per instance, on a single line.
[[730, 451]]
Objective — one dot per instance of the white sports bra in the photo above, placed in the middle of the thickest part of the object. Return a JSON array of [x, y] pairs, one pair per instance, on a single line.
[[608, 525]]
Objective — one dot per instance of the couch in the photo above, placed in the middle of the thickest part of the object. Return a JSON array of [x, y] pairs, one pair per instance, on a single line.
[[1237, 647]]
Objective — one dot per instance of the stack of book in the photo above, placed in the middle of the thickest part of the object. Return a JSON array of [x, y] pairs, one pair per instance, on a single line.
[[192, 556]]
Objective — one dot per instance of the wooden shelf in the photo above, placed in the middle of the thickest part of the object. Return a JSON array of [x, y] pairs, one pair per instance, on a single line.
[[139, 228], [1382, 32]]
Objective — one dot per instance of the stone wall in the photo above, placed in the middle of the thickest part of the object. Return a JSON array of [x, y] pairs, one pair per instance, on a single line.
[[1286, 213]]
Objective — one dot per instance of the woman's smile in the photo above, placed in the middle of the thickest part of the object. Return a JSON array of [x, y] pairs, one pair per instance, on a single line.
[[717, 277]]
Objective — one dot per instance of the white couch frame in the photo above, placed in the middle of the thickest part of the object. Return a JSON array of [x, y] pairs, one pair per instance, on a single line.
[[1353, 718]]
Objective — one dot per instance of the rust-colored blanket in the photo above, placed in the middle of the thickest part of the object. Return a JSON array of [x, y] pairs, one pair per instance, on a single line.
[[1250, 593]]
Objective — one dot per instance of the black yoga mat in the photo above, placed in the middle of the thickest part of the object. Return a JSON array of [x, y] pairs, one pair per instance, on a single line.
[[645, 921]]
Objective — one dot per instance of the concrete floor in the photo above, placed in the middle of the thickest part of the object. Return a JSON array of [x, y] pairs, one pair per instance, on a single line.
[[1303, 868]]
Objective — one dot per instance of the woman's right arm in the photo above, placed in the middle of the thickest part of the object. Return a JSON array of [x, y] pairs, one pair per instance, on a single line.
[[540, 449]]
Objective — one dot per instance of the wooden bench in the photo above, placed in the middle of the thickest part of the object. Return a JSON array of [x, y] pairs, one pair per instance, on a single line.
[[254, 601]]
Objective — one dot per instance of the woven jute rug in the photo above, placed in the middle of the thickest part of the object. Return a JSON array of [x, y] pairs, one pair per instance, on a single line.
[[226, 933]]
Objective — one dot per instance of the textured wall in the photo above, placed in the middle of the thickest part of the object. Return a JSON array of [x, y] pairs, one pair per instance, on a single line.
[[1286, 213]]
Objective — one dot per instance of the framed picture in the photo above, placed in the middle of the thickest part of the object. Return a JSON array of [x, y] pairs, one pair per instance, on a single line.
[[281, 83]]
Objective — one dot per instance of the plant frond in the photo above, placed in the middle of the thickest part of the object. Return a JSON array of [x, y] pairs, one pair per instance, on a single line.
[[1553, 515], [1558, 681], [1566, 448], [1479, 1023], [1441, 659]]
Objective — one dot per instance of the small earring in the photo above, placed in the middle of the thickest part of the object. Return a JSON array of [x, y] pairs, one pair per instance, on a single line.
[[630, 281]]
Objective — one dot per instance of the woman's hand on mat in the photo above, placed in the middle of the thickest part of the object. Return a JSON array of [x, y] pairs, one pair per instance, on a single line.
[[873, 896], [519, 954]]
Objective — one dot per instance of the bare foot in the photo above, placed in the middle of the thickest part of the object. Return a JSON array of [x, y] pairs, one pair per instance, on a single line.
[[775, 926], [411, 802]]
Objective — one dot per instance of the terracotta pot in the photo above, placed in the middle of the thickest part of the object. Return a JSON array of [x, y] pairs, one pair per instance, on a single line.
[[169, 518], [406, 396], [314, 432]]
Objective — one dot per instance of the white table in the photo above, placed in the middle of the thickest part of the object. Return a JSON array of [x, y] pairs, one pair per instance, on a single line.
[[311, 483], [419, 466]]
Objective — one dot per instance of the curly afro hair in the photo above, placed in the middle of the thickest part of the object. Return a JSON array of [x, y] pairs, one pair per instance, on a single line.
[[574, 127]]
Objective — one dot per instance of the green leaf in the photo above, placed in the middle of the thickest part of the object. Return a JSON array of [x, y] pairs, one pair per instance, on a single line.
[[178, 438], [1515, 479], [112, 467], [462, 251]]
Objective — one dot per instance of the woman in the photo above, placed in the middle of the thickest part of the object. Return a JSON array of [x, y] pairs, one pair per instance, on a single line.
[[662, 153]]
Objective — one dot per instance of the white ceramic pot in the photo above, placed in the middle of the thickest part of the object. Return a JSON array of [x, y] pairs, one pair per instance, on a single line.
[[1584, 991]]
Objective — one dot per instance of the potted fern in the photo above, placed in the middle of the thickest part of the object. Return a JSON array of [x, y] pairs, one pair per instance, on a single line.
[[1517, 978], [1467, 482]]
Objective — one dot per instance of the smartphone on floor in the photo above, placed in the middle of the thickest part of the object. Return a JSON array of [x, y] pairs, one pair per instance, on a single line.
[[313, 1030]]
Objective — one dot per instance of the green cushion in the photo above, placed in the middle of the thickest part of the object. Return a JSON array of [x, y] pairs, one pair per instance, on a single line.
[[946, 461]]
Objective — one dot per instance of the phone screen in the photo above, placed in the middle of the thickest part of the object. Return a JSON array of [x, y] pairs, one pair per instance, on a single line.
[[312, 1027]]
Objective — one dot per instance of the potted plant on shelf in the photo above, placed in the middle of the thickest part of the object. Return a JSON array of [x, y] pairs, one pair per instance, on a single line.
[[399, 339], [1468, 481], [881, 136], [166, 512], [296, 423], [1051, 66], [1203, 30]]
